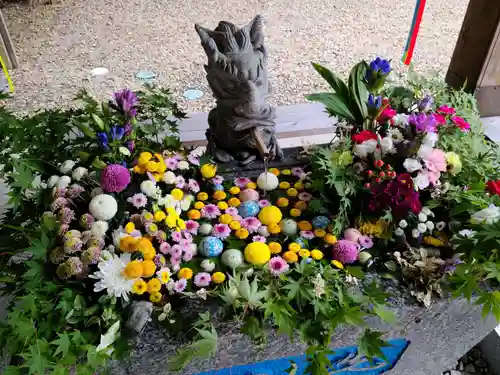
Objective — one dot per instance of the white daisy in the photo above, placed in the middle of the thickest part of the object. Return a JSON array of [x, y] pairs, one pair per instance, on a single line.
[[110, 276]]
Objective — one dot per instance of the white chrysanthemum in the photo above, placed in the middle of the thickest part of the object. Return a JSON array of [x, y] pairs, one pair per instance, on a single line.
[[422, 217], [403, 224], [412, 165], [169, 177], [80, 173], [415, 233], [95, 192], [185, 203], [387, 145], [67, 166], [103, 207], [396, 135], [399, 232], [63, 182], [422, 228], [183, 165], [430, 225], [99, 229], [207, 265], [110, 276], [148, 187]]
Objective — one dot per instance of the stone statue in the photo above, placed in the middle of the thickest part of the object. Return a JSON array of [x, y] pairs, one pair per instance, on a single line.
[[140, 315], [241, 126]]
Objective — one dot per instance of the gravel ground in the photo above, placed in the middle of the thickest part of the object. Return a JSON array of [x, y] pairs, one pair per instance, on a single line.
[[59, 44]]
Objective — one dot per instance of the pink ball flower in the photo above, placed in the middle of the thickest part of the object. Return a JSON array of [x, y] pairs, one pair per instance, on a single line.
[[277, 266], [221, 231], [249, 195], [115, 178], [345, 251]]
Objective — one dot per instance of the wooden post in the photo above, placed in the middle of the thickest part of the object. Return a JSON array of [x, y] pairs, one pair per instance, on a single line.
[[6, 46], [476, 59]]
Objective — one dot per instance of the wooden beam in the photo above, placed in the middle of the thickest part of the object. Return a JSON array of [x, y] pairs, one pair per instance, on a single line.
[[7, 44]]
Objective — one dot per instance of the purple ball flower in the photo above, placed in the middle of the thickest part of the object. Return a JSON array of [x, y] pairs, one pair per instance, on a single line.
[[345, 251], [115, 178]]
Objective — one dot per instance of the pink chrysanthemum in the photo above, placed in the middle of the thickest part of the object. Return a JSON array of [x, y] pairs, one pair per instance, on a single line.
[[180, 182], [193, 185], [171, 163], [187, 256], [307, 234], [242, 182], [185, 244], [188, 236], [221, 231], [217, 180], [176, 251], [193, 159], [264, 203], [138, 200], [62, 202], [115, 178], [192, 227], [365, 242], [298, 172], [277, 266], [345, 251], [202, 279], [66, 215], [233, 211], [251, 224], [176, 236], [180, 285], [75, 190], [63, 229], [259, 239], [304, 196], [210, 211], [165, 248]]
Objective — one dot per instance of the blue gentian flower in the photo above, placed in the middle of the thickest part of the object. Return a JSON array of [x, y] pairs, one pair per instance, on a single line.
[[374, 102], [103, 140], [116, 133]]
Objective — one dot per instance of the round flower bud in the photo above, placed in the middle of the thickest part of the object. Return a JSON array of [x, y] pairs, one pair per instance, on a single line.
[[67, 166], [103, 207], [267, 181], [207, 265]]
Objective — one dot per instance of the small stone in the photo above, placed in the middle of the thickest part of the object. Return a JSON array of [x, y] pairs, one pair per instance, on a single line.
[[454, 372], [480, 363]]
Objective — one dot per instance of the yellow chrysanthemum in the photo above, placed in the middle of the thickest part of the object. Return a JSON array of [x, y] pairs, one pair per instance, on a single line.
[[319, 232], [155, 297], [242, 233], [222, 205], [290, 257], [300, 205], [144, 244], [148, 268], [294, 212], [202, 196], [154, 285], [160, 216], [144, 158], [178, 194], [305, 225], [274, 171], [372, 229], [274, 228], [304, 253], [299, 185], [282, 202], [275, 247], [234, 190], [199, 205], [337, 264], [133, 269], [219, 195], [251, 185], [234, 225], [284, 185], [294, 246], [218, 278], [128, 244], [286, 172], [185, 273], [139, 287], [330, 239], [129, 227], [208, 170], [194, 214], [149, 254], [225, 219], [316, 254], [292, 192], [234, 202]]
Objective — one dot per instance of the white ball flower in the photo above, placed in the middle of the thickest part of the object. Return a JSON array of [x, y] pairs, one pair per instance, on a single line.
[[205, 229], [52, 181], [183, 165], [67, 166], [430, 225], [63, 182], [96, 191], [422, 217], [399, 232], [148, 187], [427, 211], [103, 207], [194, 248], [99, 228], [440, 226], [80, 173], [422, 228], [267, 181], [403, 224], [415, 233], [207, 265], [169, 177], [412, 165]]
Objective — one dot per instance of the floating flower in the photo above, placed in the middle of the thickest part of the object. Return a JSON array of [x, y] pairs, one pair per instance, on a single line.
[[252, 224], [242, 182], [202, 279], [264, 203], [210, 211], [277, 266], [307, 234], [180, 285], [345, 251], [365, 242], [221, 231]]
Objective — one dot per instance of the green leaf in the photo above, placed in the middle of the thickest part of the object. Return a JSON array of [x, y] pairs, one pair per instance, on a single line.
[[84, 128], [491, 304], [334, 104], [39, 247], [34, 361], [335, 83], [370, 344], [385, 315], [98, 121], [356, 271], [359, 93], [63, 344]]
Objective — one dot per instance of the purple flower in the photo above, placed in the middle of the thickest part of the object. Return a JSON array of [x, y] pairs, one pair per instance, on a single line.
[[304, 196], [185, 245], [202, 279], [180, 285], [138, 200], [176, 236], [193, 185], [180, 182], [116, 133], [307, 234], [242, 182], [233, 211], [115, 178], [251, 224], [425, 104], [365, 242], [192, 227], [75, 190], [193, 159], [103, 140], [188, 255], [221, 231], [131, 146], [58, 203], [217, 180], [298, 172], [159, 260], [264, 203], [374, 102], [171, 163], [259, 239], [126, 101], [423, 122], [277, 266], [128, 129], [187, 236], [66, 215], [379, 66], [345, 251], [176, 251], [210, 211]]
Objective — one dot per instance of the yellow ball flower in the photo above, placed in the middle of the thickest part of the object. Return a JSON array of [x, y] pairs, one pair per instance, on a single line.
[[144, 158], [208, 170], [251, 185], [151, 166], [133, 269], [330, 239], [181, 224], [294, 212], [292, 192], [234, 202], [290, 257], [178, 194], [128, 244], [320, 233], [185, 273], [225, 219], [284, 185], [148, 268], [337, 264], [199, 205], [282, 202], [286, 172], [242, 233], [139, 287], [234, 190], [138, 169], [299, 185], [155, 297], [202, 196], [274, 228], [305, 225], [257, 253], [218, 277], [156, 176], [274, 171], [154, 285], [234, 225], [149, 254], [274, 247], [219, 195], [270, 215], [129, 227], [300, 205], [294, 246], [144, 244], [316, 254], [159, 216], [304, 253], [171, 221], [194, 214], [222, 205]]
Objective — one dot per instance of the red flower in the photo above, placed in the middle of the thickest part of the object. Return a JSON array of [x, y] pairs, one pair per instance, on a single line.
[[387, 114], [494, 187], [446, 110], [441, 120], [461, 123], [363, 136]]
